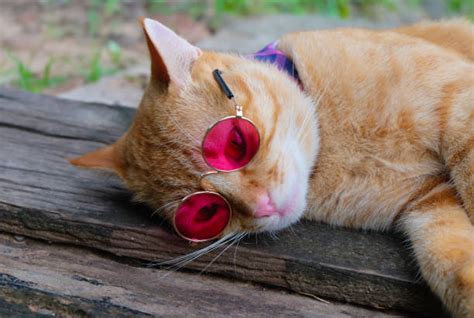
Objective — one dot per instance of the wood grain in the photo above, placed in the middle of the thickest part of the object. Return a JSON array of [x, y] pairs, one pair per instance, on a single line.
[[56, 280], [42, 196]]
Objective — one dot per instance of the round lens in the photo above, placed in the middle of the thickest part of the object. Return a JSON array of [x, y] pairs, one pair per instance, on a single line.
[[230, 144], [202, 216]]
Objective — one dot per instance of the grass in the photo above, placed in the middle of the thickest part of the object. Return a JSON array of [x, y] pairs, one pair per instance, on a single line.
[[336, 8], [28, 80], [339, 8], [22, 75], [100, 12], [97, 69], [465, 7]]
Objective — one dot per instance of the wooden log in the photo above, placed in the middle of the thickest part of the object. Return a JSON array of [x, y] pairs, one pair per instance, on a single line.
[[54, 280], [42, 196]]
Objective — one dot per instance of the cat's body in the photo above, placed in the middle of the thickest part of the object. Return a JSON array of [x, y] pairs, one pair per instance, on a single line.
[[396, 144], [385, 132], [385, 139]]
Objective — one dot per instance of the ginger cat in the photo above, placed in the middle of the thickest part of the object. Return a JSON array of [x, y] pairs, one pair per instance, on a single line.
[[382, 136]]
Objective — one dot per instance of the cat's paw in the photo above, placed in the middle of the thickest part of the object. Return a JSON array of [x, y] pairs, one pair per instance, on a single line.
[[465, 284]]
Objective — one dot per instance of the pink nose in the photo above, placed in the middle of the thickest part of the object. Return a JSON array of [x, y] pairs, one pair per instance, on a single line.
[[265, 207]]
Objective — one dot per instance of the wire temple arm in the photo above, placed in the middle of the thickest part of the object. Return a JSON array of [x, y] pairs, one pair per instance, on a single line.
[[217, 76], [205, 174]]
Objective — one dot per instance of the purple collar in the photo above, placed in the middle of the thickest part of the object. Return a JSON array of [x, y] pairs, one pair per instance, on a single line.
[[270, 54]]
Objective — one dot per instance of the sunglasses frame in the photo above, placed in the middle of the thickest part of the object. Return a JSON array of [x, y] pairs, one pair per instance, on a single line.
[[196, 193], [238, 115]]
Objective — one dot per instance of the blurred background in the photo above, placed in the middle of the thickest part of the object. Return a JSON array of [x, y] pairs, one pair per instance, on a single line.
[[94, 50]]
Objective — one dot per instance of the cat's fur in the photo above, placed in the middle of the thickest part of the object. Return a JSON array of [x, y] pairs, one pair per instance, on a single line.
[[381, 137]]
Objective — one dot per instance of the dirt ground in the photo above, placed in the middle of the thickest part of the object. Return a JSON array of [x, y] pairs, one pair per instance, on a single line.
[[36, 33], [55, 46]]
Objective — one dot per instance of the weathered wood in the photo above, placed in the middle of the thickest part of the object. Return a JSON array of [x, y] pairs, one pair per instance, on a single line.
[[64, 280], [42, 196]]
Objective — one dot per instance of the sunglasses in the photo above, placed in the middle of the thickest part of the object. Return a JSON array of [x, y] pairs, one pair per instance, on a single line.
[[229, 145]]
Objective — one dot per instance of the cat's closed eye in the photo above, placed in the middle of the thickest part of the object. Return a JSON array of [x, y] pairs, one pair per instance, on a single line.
[[235, 146]]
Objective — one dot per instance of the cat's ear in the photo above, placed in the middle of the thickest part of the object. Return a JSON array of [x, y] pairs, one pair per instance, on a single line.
[[171, 55], [105, 158]]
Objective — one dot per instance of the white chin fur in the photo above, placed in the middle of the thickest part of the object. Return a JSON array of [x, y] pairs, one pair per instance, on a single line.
[[293, 192], [278, 222]]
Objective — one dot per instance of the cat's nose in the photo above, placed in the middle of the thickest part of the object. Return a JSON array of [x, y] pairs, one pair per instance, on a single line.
[[265, 206]]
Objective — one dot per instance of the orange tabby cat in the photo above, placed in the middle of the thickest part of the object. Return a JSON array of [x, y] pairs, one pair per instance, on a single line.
[[381, 137]]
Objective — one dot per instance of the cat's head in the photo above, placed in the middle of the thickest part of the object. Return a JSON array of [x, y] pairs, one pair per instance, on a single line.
[[160, 160]]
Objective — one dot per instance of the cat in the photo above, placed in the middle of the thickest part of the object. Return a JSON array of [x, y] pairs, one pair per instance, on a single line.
[[380, 137]]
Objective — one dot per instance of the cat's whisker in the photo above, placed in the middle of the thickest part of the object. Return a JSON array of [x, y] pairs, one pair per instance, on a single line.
[[235, 251], [272, 235], [181, 264], [235, 239], [218, 243], [178, 266], [184, 262], [184, 259], [291, 228], [175, 142], [164, 206]]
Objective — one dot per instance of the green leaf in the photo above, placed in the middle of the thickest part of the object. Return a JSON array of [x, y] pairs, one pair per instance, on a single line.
[[115, 52], [95, 69]]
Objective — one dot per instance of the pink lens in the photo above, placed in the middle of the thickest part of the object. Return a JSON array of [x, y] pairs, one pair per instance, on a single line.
[[230, 144], [202, 216]]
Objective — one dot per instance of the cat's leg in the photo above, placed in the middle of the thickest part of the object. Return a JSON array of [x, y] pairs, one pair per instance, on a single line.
[[442, 238], [457, 145], [458, 153], [461, 164]]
